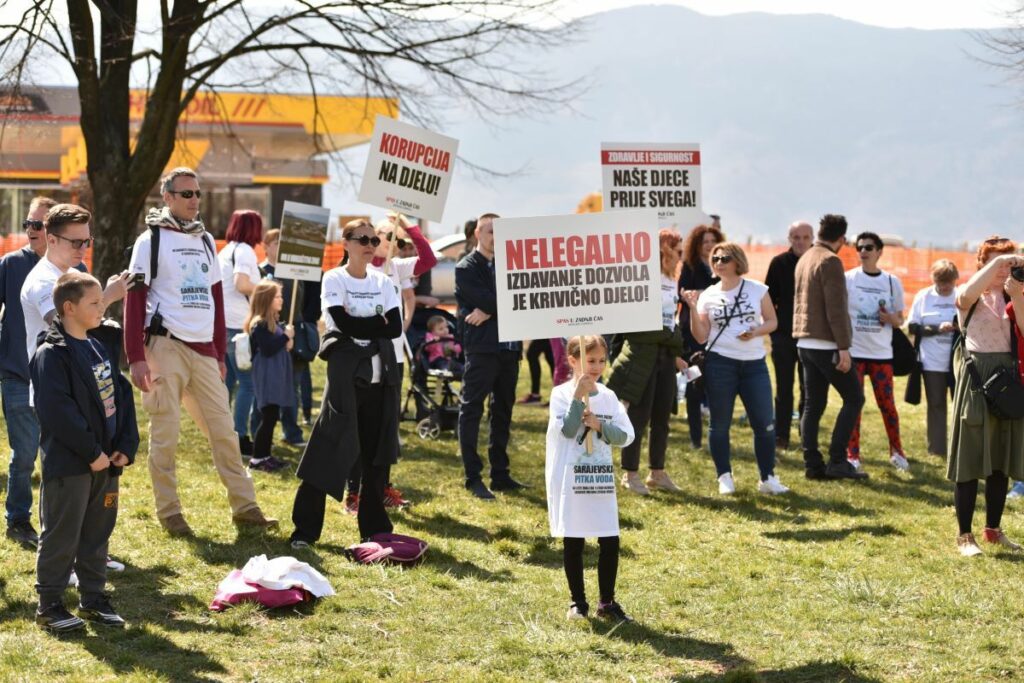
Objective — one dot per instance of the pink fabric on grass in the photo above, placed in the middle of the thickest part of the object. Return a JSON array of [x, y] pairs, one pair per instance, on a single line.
[[234, 590]]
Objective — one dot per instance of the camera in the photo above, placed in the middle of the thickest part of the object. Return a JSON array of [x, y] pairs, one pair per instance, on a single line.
[[1017, 273]]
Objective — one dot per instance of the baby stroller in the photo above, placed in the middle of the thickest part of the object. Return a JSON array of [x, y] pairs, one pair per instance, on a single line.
[[435, 393]]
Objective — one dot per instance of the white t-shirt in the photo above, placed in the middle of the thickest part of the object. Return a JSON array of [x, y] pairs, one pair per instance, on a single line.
[[669, 302], [722, 309], [37, 300], [361, 297], [183, 288], [581, 487], [401, 277], [866, 293], [236, 304], [931, 308]]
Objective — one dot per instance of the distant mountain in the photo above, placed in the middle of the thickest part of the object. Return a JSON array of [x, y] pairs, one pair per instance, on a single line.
[[905, 131]]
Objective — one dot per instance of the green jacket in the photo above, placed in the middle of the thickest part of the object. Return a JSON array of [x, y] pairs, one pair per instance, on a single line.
[[634, 366]]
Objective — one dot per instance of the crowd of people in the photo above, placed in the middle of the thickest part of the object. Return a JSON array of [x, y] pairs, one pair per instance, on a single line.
[[218, 333]]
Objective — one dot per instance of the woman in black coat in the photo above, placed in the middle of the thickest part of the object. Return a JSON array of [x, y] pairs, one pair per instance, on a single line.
[[696, 276], [358, 421]]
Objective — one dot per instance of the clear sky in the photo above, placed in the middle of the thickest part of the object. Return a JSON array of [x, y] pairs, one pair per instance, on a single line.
[[923, 14]]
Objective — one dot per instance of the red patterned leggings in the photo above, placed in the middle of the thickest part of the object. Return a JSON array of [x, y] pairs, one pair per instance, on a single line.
[[881, 382]]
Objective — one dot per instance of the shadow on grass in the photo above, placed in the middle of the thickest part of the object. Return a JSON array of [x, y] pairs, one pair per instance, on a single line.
[[443, 525], [446, 563], [675, 645], [812, 672], [138, 649], [820, 535], [786, 508]]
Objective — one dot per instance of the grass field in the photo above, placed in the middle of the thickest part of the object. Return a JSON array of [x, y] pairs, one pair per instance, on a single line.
[[833, 582]]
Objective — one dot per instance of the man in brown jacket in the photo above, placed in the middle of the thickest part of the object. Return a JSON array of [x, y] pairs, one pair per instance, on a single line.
[[821, 326]]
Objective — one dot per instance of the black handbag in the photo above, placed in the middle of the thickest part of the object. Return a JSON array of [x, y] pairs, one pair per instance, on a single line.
[[912, 395], [904, 356], [1003, 391]]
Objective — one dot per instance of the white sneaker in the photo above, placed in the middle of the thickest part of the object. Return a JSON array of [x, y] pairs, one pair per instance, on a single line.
[[899, 461], [113, 565], [726, 486], [772, 486], [73, 580], [855, 462]]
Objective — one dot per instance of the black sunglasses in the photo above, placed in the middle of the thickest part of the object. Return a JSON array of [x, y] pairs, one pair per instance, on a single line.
[[187, 194], [865, 247], [725, 258], [75, 244], [365, 241], [29, 224], [400, 243]]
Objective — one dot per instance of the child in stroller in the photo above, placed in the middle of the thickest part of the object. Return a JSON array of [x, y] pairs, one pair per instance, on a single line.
[[437, 368], [440, 347]]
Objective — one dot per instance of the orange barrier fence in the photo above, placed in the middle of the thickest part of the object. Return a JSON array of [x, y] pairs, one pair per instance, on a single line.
[[911, 265], [332, 254]]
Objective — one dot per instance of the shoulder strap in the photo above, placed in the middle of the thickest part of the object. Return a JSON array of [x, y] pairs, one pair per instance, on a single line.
[[154, 252], [728, 317]]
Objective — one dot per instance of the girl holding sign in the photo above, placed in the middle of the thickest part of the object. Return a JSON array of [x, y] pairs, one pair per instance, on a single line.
[[736, 313], [581, 480]]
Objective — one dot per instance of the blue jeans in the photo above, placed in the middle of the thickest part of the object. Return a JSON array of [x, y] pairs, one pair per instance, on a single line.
[[245, 396], [23, 437], [726, 379], [305, 380]]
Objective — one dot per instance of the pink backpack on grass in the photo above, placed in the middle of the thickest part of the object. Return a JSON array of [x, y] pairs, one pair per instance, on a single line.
[[393, 548]]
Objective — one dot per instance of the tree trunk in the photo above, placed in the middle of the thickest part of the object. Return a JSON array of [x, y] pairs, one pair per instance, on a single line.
[[115, 223]]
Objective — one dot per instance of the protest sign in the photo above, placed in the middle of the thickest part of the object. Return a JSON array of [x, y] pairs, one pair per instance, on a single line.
[[300, 254], [560, 276], [409, 169], [665, 177]]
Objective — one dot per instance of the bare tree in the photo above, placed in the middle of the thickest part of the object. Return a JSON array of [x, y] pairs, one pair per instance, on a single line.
[[1005, 46], [430, 54]]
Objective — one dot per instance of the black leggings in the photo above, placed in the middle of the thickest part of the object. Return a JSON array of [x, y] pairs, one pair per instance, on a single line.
[[538, 348], [265, 432], [965, 496], [607, 568]]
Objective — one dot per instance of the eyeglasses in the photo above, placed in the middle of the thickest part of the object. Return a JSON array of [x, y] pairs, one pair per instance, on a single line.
[[75, 244], [400, 243], [365, 241], [865, 247], [28, 224], [725, 258], [187, 194]]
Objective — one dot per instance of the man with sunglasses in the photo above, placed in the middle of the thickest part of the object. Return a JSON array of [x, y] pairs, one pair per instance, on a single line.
[[175, 339], [821, 325], [22, 426], [68, 238]]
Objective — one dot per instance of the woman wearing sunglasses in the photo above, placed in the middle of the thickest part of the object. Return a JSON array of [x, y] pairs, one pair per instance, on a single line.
[[875, 301], [732, 317], [981, 445], [358, 421]]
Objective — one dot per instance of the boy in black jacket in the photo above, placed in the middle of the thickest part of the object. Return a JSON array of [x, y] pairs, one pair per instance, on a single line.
[[87, 434]]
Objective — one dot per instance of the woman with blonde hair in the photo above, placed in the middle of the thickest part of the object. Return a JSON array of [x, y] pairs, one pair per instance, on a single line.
[[732, 317]]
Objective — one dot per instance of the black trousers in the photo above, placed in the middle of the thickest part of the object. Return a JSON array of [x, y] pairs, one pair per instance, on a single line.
[[78, 515], [265, 432], [355, 475], [538, 348], [786, 362], [819, 373], [311, 502], [607, 568], [655, 409], [493, 376]]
